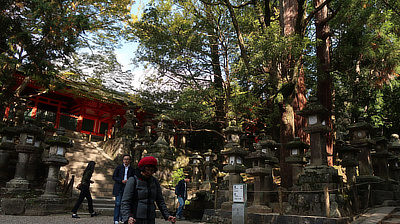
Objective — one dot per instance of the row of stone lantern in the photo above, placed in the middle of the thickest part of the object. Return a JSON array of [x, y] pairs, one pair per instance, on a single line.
[[263, 161], [7, 149], [28, 146], [30, 139]]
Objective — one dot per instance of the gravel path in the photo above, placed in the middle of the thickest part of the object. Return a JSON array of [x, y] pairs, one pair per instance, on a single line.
[[66, 219]]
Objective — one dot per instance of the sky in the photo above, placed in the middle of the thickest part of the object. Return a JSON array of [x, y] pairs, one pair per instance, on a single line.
[[126, 52]]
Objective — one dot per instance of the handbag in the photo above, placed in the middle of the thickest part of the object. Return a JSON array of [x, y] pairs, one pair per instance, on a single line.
[[79, 187]]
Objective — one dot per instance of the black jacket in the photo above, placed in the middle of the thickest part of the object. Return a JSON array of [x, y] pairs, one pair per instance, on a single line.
[[181, 190], [118, 177], [140, 196]]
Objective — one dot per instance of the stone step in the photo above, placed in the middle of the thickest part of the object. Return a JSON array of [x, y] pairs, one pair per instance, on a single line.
[[79, 156], [395, 215], [104, 205], [104, 200], [391, 221]]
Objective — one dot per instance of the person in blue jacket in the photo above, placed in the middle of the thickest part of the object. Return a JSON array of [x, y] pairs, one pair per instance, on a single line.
[[120, 176], [181, 192]]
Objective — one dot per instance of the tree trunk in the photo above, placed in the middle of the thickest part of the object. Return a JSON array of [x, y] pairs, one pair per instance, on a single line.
[[324, 90], [292, 12]]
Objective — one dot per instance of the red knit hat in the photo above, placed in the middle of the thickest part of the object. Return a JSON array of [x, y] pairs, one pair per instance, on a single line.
[[147, 161]]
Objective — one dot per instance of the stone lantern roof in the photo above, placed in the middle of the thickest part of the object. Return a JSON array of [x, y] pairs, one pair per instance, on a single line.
[[349, 161], [313, 107], [8, 131], [209, 154], [30, 128], [296, 144], [361, 125]]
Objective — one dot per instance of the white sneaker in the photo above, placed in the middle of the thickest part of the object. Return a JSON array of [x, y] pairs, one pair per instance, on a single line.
[[116, 222]]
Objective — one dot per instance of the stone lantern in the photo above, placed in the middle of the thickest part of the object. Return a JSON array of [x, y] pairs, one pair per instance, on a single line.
[[163, 129], [315, 113], [29, 144], [360, 139], [208, 184], [182, 136], [380, 157], [234, 154], [7, 150], [263, 160], [394, 160], [297, 157], [161, 149], [56, 158], [349, 159], [135, 152], [247, 141], [269, 147], [49, 130], [195, 162]]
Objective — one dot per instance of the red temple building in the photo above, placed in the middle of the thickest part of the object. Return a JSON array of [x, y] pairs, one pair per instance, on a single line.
[[77, 107]]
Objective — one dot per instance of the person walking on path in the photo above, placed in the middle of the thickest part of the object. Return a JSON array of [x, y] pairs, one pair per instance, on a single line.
[[142, 192], [181, 192], [85, 192], [120, 176]]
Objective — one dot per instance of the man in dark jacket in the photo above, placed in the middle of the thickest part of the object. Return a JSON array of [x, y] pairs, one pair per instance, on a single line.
[[141, 194], [120, 176], [181, 192]]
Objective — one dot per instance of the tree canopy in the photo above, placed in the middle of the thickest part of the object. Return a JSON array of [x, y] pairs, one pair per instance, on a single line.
[[41, 38], [262, 63]]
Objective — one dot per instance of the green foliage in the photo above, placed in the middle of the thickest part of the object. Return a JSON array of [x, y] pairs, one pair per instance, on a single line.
[[40, 38], [176, 39], [366, 57], [176, 176]]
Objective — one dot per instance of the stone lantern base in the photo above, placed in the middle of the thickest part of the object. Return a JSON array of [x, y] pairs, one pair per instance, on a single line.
[[207, 186], [227, 206], [373, 190], [259, 209], [311, 200], [17, 185]]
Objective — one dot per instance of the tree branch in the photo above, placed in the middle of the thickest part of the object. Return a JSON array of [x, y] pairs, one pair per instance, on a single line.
[[309, 17], [391, 7]]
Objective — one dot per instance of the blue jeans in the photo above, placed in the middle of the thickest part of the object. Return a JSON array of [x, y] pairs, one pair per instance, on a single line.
[[117, 207], [181, 202]]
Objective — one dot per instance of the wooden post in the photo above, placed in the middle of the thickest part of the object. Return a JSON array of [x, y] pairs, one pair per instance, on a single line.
[[327, 202], [280, 195]]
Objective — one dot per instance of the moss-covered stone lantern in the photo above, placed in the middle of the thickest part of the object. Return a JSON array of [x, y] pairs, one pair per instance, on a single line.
[[29, 143], [55, 159], [297, 157], [348, 155], [380, 157], [394, 160], [360, 139], [7, 150], [234, 154], [208, 184], [196, 162], [315, 113], [259, 171]]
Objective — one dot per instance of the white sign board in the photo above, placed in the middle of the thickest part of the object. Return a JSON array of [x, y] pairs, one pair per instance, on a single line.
[[239, 193]]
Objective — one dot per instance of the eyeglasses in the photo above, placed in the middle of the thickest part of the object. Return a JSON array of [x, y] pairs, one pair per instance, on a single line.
[[126, 159]]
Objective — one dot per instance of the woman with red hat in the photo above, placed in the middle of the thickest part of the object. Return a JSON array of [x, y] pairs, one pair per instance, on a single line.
[[142, 192]]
